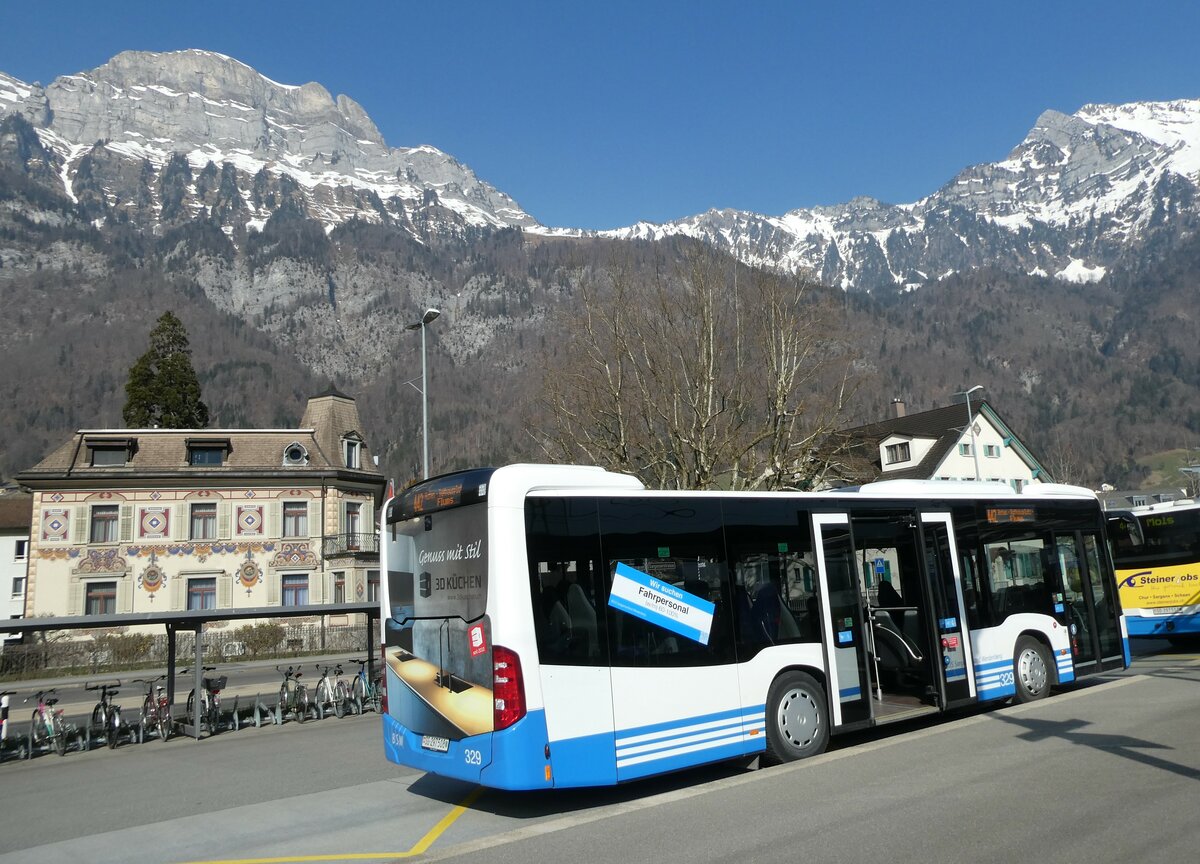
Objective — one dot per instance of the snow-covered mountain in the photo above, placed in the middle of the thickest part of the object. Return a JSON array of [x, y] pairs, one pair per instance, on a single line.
[[1079, 193], [159, 140], [161, 137]]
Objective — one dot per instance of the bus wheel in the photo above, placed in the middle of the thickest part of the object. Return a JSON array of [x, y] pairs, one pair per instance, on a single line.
[[797, 718], [1031, 670]]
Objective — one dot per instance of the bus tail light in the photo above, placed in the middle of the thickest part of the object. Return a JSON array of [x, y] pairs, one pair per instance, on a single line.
[[383, 709], [508, 688]]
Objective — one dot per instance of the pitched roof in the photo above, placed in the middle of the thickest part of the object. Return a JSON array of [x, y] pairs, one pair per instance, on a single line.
[[164, 452], [16, 511], [944, 425]]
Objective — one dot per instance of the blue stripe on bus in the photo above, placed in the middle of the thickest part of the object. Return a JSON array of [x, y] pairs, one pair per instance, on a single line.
[[659, 747], [1163, 625], [688, 759]]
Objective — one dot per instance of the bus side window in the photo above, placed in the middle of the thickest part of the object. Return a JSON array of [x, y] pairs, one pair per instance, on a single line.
[[565, 580]]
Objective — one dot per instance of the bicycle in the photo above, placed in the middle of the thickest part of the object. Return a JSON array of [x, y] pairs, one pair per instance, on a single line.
[[106, 717], [156, 709], [335, 692], [364, 691], [210, 699], [48, 725], [293, 695]]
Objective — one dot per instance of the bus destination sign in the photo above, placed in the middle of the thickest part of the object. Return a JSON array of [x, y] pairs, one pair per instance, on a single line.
[[1006, 515]]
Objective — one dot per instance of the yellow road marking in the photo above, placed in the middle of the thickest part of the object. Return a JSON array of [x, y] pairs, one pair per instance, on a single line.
[[421, 845]]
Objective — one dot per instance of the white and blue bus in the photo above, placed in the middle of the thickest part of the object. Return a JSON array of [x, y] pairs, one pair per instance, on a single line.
[[552, 626]]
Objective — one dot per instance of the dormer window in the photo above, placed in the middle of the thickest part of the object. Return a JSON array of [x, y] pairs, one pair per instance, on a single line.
[[207, 453], [897, 452], [352, 452], [109, 453], [295, 455]]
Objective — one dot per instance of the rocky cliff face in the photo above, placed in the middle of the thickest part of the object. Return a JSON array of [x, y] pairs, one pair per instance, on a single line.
[[121, 134]]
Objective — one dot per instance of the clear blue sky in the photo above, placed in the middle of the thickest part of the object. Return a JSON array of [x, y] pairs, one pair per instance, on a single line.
[[597, 115]]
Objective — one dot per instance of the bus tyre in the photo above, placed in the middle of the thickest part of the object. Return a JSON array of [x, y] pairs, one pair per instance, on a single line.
[[1031, 670], [797, 718]]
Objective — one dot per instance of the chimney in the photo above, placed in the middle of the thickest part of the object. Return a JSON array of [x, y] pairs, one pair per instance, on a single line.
[[897, 408]]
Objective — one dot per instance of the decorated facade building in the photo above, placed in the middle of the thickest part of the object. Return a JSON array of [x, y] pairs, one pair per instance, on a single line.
[[163, 520]]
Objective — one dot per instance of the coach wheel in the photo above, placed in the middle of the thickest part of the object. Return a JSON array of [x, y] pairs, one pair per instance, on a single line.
[[1031, 670], [797, 718]]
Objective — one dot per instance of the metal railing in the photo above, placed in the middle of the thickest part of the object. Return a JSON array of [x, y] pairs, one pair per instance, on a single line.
[[333, 545]]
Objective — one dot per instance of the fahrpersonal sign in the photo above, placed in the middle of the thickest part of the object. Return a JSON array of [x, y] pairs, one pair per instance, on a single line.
[[660, 603]]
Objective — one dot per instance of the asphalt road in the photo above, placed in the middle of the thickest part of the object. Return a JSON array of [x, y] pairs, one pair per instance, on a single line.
[[1105, 772]]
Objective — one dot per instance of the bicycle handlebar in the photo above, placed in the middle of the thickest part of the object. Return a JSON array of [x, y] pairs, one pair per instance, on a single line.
[[103, 685]]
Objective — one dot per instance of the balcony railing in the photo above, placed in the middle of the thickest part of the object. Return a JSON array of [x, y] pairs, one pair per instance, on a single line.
[[334, 545]]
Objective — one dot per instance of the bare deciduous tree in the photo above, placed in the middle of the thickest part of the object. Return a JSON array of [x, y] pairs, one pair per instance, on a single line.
[[698, 375]]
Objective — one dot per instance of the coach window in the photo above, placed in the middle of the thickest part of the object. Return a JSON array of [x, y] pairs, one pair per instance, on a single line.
[[680, 543], [566, 581], [774, 598]]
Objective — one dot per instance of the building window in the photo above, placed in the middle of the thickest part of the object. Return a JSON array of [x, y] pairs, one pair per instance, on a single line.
[[339, 587], [204, 521], [964, 449], [18, 587], [352, 450], [108, 457], [202, 593], [372, 586], [898, 453], [21, 552], [353, 524], [1138, 501], [295, 519], [206, 455], [1017, 484], [104, 523], [295, 454], [991, 451], [295, 589], [101, 598]]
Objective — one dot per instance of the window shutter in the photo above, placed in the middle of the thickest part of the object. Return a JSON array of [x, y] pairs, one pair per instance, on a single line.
[[316, 589], [177, 584], [81, 527], [368, 517], [345, 520], [223, 520], [126, 512], [124, 595], [274, 519], [272, 589], [315, 528], [75, 598], [224, 590], [180, 530]]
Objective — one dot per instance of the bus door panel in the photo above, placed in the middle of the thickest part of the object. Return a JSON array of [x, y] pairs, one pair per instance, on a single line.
[[957, 678], [845, 637], [1090, 610]]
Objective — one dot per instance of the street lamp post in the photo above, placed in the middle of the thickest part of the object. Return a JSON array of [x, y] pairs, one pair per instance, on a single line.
[[426, 319], [971, 425]]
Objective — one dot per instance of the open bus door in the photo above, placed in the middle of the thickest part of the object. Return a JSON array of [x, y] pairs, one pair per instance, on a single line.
[[895, 635]]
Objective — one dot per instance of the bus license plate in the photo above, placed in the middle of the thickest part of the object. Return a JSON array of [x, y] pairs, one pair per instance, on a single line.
[[1168, 610], [434, 743]]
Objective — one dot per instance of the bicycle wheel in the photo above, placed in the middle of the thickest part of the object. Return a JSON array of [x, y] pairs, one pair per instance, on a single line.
[[301, 704], [339, 700], [360, 695], [37, 730], [98, 726], [283, 702], [214, 715], [191, 706], [60, 738], [114, 727], [162, 722]]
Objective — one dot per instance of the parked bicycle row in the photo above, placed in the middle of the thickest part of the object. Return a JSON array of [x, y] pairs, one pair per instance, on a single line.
[[334, 693]]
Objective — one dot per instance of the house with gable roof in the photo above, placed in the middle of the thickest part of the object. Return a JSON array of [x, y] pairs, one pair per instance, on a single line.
[[940, 445]]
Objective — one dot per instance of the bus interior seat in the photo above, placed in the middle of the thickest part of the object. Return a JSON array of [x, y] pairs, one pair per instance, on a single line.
[[901, 650], [583, 618]]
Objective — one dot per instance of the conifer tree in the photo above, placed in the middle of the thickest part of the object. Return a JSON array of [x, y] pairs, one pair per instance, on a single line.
[[163, 390]]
